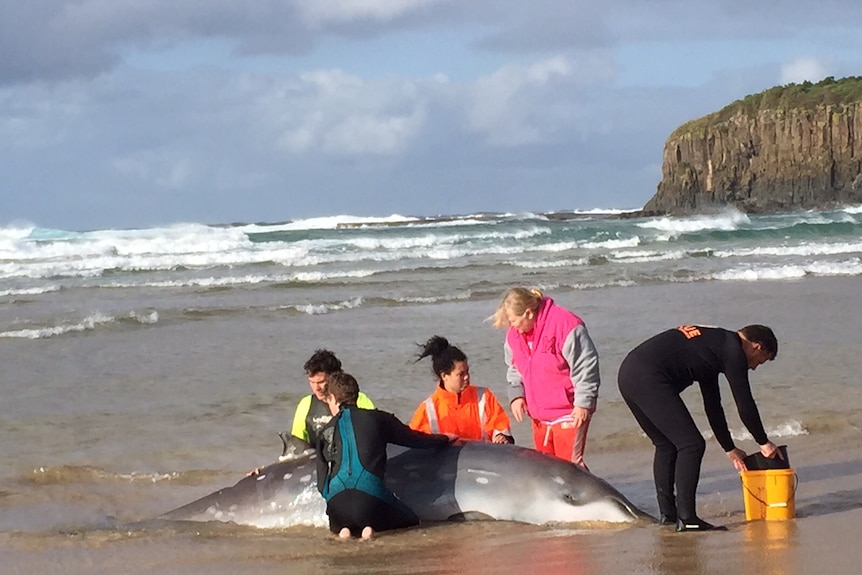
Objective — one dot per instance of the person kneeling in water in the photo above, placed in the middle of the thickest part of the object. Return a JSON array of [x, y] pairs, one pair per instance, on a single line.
[[351, 463]]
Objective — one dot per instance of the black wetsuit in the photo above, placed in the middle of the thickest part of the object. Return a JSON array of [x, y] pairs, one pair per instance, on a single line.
[[318, 416], [351, 465], [651, 378]]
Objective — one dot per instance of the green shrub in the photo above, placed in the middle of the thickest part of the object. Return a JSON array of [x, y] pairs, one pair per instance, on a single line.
[[807, 95]]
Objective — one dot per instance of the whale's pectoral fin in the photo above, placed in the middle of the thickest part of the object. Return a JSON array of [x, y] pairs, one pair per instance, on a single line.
[[471, 516]]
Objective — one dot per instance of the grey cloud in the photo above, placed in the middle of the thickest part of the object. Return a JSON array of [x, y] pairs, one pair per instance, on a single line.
[[62, 39], [59, 39]]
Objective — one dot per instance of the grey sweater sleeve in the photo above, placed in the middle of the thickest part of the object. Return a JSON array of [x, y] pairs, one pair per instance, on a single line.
[[583, 359], [513, 376]]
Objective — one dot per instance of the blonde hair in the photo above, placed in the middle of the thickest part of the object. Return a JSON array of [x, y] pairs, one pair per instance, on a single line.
[[516, 300]]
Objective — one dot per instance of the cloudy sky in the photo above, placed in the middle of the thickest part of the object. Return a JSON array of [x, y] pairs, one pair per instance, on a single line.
[[121, 113]]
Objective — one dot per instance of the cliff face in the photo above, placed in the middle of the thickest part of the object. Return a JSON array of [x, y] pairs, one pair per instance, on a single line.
[[764, 161]]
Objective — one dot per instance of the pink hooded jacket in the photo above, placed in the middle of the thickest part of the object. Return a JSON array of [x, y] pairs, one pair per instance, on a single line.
[[560, 371]]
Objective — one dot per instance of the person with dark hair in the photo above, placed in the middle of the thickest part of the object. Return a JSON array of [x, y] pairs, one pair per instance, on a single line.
[[552, 370], [456, 406], [312, 413], [652, 377], [351, 462]]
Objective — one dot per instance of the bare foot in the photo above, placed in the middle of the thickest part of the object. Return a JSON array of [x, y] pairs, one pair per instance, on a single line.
[[344, 533], [367, 533]]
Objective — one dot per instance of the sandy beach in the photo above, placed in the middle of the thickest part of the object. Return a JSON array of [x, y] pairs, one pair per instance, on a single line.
[[823, 538], [71, 520]]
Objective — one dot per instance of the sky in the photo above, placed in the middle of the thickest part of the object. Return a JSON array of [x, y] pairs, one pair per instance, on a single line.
[[154, 112]]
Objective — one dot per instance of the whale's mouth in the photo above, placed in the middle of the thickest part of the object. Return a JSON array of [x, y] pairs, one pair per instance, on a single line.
[[604, 509]]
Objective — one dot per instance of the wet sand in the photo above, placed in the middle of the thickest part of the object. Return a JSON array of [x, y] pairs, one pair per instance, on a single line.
[[823, 538], [815, 380]]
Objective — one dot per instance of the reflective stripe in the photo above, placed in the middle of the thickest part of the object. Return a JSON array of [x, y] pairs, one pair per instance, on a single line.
[[434, 424], [432, 416], [480, 393]]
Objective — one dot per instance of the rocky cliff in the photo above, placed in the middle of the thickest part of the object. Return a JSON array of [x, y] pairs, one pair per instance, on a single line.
[[791, 147]]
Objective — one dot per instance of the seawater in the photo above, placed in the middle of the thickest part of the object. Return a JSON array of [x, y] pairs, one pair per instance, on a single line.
[[144, 368]]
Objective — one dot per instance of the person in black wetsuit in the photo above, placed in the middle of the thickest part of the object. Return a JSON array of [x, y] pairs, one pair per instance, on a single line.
[[351, 463], [651, 378]]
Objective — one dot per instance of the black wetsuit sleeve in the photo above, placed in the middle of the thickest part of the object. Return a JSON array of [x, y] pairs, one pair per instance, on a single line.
[[737, 377], [715, 413], [401, 434]]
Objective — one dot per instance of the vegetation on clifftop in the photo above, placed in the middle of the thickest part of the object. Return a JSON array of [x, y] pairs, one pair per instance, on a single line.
[[827, 92]]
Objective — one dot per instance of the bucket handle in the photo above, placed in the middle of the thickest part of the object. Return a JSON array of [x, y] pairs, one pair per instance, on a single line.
[[793, 496]]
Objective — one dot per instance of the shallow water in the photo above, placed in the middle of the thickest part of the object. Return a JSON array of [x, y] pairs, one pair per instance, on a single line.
[[107, 428]]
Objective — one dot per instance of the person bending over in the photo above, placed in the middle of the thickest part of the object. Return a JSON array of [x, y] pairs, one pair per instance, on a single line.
[[456, 406], [651, 378], [351, 463]]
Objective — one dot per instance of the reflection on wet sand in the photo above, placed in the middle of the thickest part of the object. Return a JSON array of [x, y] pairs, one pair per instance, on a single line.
[[770, 546], [542, 552], [676, 553]]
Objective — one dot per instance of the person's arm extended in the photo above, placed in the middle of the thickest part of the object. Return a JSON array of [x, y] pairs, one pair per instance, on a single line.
[[715, 413], [401, 434], [736, 374], [298, 428], [497, 422]]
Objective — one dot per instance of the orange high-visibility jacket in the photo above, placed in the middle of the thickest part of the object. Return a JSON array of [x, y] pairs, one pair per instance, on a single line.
[[474, 413]]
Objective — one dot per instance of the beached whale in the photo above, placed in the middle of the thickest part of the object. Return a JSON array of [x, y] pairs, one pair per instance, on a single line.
[[464, 480]]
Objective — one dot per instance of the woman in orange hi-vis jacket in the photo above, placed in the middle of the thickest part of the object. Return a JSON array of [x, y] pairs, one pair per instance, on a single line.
[[456, 406]]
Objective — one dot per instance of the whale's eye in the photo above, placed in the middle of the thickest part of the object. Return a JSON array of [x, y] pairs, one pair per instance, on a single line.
[[570, 499]]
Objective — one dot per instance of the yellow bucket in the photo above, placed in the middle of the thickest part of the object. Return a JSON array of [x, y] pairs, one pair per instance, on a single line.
[[769, 494]]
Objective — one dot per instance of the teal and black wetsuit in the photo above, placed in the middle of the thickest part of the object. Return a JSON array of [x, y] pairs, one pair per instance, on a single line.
[[351, 465]]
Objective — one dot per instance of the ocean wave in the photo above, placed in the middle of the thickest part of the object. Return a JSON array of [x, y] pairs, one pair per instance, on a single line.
[[463, 296], [70, 474], [613, 244], [30, 291], [600, 285], [244, 280], [790, 428], [322, 308], [851, 267], [220, 249], [11, 236], [807, 250], [723, 247], [645, 256], [325, 223], [634, 438], [90, 322], [726, 220], [545, 264]]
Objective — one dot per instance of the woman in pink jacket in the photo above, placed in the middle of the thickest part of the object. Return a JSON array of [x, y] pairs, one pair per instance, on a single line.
[[553, 371]]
